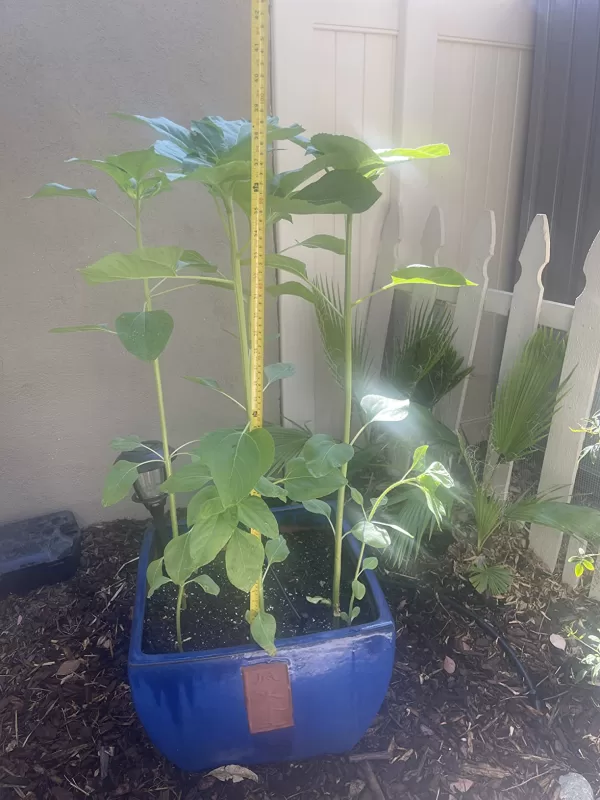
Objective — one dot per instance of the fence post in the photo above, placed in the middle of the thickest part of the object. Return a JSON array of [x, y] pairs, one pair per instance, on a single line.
[[582, 357], [468, 312], [523, 317], [432, 241]]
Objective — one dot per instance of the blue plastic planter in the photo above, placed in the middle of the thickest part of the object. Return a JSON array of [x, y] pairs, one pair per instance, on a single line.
[[192, 704]]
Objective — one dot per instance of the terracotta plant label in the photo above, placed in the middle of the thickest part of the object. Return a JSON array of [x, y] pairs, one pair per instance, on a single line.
[[268, 697]]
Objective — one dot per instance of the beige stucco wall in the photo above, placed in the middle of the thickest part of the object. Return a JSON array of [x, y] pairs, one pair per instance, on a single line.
[[65, 65]]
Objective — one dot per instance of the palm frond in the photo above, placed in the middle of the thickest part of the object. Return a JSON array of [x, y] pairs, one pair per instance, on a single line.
[[407, 509], [488, 510], [288, 444], [493, 578], [528, 396], [424, 363], [577, 520], [330, 319]]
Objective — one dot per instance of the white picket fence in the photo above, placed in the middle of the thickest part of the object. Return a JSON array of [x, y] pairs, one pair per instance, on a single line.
[[526, 309]]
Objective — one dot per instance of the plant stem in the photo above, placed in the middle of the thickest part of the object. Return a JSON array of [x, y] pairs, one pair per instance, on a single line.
[[341, 496], [238, 288], [372, 294], [178, 617], [361, 555], [158, 385]]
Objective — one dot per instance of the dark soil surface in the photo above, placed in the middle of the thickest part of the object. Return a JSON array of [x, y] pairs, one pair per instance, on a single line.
[[210, 622], [456, 722]]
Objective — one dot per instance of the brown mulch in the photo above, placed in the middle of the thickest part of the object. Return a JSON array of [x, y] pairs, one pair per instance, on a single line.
[[68, 729]]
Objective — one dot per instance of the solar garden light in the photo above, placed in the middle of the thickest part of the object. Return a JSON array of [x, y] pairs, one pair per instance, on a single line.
[[147, 486]]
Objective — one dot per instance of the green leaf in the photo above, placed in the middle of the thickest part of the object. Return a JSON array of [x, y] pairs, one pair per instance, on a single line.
[[176, 133], [424, 363], [237, 460], [187, 478], [419, 457], [144, 334], [440, 474], [323, 454], [57, 190], [193, 260], [384, 409], [325, 601], [325, 241], [262, 630], [371, 534], [244, 560], [495, 579], [123, 443], [155, 576], [124, 167], [410, 153], [579, 570], [291, 288], [211, 532], [210, 383], [589, 565], [277, 372], [318, 507], [437, 276], [428, 485], [528, 396], [76, 328], [276, 550], [289, 443], [198, 501], [581, 521], [357, 496], [178, 561], [355, 613], [359, 589], [370, 563], [336, 192], [348, 153], [221, 175], [119, 480], [149, 262], [206, 583], [287, 264], [301, 485], [267, 488], [257, 515]]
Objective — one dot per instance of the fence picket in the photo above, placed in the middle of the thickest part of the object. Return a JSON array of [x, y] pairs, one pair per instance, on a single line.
[[523, 319], [468, 312], [582, 358], [432, 241]]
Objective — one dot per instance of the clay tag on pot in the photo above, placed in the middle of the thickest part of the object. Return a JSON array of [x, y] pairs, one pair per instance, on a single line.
[[268, 697]]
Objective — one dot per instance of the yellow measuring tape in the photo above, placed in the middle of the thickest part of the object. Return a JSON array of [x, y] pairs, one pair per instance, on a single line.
[[258, 219]]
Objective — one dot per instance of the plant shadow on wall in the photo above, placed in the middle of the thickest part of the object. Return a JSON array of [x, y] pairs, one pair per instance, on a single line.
[[232, 470], [478, 505]]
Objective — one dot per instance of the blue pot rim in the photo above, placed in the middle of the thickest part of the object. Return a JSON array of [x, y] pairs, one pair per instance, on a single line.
[[138, 658]]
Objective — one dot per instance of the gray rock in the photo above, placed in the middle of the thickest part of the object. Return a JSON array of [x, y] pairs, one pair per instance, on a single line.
[[574, 786]]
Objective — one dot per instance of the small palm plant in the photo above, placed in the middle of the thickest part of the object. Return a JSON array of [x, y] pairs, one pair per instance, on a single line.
[[522, 413], [424, 363]]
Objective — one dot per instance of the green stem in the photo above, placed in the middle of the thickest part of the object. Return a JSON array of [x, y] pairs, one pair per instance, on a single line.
[[178, 617], [357, 572], [372, 294], [238, 288], [158, 385], [341, 496]]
